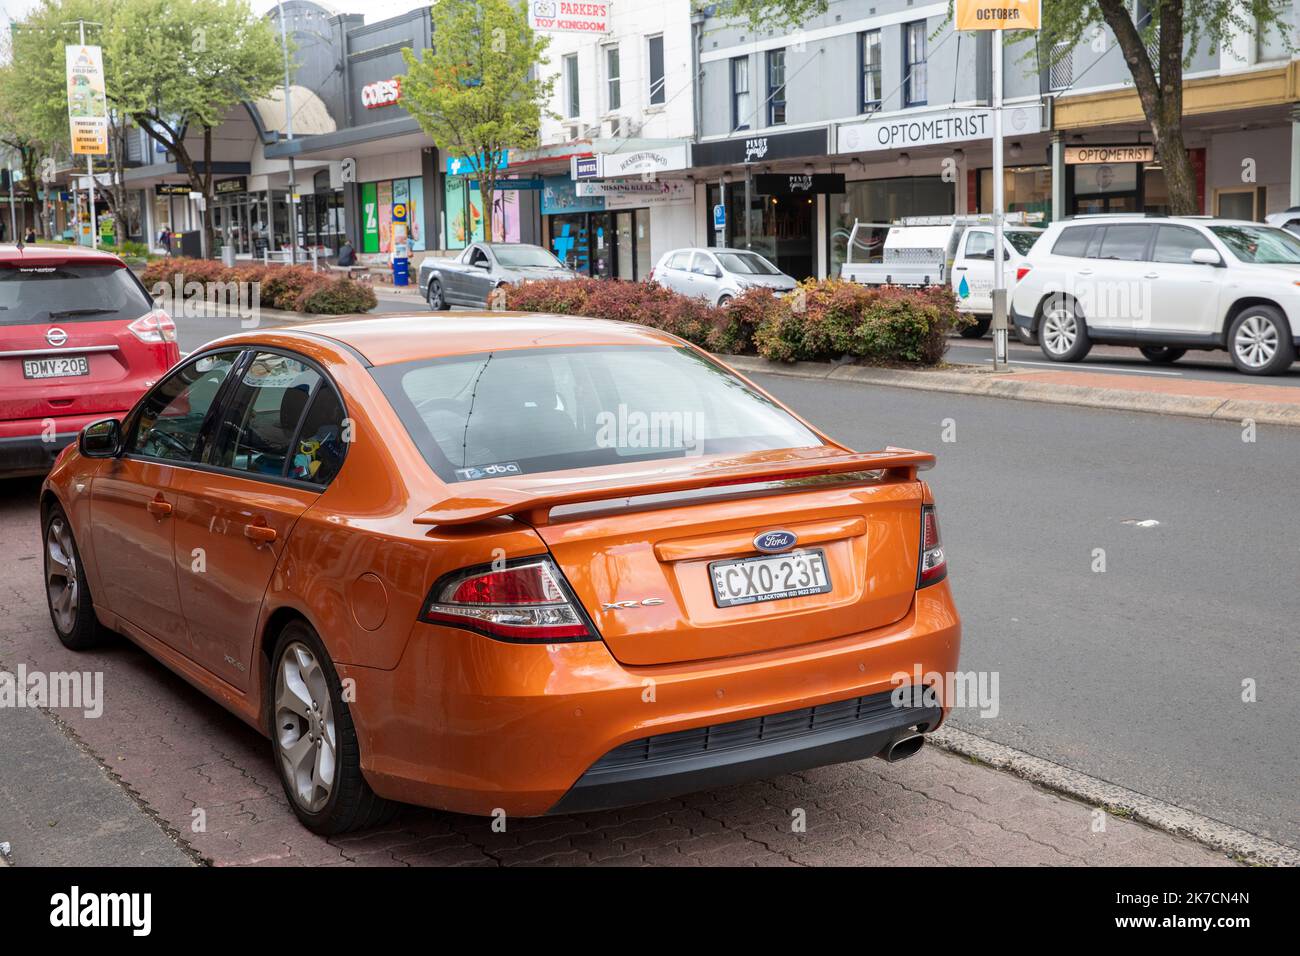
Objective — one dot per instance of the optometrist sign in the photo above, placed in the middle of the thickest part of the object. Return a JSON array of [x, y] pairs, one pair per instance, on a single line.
[[936, 128], [998, 14], [87, 103]]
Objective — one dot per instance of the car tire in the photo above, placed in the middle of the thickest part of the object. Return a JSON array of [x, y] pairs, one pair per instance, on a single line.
[[977, 330], [1161, 354], [1259, 341], [322, 777], [434, 295], [72, 612], [1024, 336], [1062, 332]]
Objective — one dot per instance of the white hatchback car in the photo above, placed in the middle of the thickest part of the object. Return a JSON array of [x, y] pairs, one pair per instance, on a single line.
[[1164, 285], [718, 275]]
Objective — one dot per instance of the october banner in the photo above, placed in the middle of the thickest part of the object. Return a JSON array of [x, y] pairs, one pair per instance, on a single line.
[[87, 103], [999, 14]]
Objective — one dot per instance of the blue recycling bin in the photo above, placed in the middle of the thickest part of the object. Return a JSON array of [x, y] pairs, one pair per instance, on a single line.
[[401, 272]]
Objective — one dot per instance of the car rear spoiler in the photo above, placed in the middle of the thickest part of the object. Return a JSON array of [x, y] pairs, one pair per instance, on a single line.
[[533, 498]]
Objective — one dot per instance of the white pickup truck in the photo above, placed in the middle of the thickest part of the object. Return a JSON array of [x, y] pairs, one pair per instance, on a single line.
[[939, 250]]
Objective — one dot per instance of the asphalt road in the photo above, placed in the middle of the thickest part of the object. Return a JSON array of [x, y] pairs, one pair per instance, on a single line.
[[1116, 360], [1134, 675]]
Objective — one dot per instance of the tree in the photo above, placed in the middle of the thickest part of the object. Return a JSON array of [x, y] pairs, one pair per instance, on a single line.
[[1155, 47], [477, 92], [177, 65]]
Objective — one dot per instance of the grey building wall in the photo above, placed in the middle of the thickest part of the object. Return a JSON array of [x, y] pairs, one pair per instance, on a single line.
[[374, 52]]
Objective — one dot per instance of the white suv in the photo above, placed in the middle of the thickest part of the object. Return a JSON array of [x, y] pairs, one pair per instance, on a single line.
[[1164, 285]]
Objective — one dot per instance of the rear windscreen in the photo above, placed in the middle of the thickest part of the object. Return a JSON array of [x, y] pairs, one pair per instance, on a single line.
[[525, 411], [69, 292]]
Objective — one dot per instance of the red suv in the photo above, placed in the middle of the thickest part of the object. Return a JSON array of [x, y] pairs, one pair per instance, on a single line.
[[80, 340]]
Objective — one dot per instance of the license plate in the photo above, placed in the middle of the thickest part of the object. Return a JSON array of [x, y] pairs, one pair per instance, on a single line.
[[770, 577], [56, 367]]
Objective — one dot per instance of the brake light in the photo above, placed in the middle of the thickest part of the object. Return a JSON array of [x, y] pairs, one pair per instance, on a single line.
[[651, 276], [1022, 271], [525, 602], [934, 565], [154, 327]]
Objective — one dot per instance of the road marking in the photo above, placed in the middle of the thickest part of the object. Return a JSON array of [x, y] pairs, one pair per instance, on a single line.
[[1081, 367], [1102, 793]]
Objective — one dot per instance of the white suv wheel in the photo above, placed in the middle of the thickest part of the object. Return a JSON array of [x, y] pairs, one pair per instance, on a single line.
[[1257, 341], [1060, 330]]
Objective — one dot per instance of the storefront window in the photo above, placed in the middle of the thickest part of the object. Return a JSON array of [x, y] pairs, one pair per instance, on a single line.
[[884, 200], [780, 228], [377, 201], [1027, 189], [463, 212]]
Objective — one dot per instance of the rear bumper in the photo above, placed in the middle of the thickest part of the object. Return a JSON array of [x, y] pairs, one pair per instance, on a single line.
[[24, 449], [472, 725], [720, 755]]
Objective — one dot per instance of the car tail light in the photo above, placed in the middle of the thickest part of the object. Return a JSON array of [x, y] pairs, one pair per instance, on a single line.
[[934, 565], [154, 327], [1022, 271], [525, 601], [651, 276]]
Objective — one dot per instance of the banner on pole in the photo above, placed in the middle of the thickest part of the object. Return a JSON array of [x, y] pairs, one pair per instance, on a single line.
[[999, 14], [87, 103]]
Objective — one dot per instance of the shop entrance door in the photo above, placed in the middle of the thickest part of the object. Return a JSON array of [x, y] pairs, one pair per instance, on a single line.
[[604, 245]]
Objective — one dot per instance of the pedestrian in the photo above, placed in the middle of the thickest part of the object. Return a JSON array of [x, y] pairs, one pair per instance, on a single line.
[[165, 239], [347, 255], [31, 235]]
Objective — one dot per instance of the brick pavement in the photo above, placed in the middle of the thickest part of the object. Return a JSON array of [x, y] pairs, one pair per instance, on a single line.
[[178, 753]]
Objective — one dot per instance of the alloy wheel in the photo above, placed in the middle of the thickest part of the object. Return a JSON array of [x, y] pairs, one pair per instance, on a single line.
[[1256, 341], [1060, 331], [304, 727], [61, 574], [435, 294]]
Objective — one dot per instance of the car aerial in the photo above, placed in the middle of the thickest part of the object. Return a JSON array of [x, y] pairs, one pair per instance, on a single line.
[[471, 276], [718, 275], [533, 564], [80, 339], [1164, 285]]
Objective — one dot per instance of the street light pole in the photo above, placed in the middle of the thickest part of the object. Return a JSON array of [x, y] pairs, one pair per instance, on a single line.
[[288, 133], [999, 207], [90, 165]]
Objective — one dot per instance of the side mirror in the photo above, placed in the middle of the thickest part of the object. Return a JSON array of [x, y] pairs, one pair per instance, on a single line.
[[1206, 257], [101, 439]]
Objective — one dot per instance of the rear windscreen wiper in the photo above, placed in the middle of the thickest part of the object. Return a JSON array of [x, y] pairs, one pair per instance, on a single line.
[[68, 313]]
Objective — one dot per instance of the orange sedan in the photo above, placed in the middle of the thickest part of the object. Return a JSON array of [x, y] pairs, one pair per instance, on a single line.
[[507, 562]]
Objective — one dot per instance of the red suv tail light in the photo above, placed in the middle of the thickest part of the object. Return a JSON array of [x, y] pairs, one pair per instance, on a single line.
[[154, 327], [934, 565], [1022, 271], [525, 601]]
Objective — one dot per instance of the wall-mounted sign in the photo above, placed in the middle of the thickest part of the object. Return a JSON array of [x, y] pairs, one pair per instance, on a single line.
[[172, 189], [630, 193], [798, 184], [643, 162], [1088, 155], [568, 16], [226, 186], [381, 93], [758, 149], [585, 167], [514, 185], [936, 128], [998, 14], [464, 166], [87, 103]]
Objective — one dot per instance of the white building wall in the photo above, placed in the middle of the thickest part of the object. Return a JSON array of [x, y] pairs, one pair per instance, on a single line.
[[631, 26]]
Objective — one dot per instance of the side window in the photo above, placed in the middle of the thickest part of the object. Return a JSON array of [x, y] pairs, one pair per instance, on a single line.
[[979, 245], [322, 441], [172, 416], [1072, 241], [680, 260], [1127, 243], [478, 256], [1176, 244], [704, 265], [262, 416]]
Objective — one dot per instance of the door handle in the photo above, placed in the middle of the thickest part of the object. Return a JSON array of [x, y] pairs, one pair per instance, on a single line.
[[958, 268], [259, 532], [159, 507], [1083, 272], [1152, 275]]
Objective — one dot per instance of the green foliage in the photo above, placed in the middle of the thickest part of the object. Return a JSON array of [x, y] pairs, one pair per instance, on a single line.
[[476, 93], [775, 14]]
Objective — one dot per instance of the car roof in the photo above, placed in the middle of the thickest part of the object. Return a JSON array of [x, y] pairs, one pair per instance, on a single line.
[[391, 339], [11, 254]]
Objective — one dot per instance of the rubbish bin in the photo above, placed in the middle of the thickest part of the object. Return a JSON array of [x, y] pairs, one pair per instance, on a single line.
[[401, 272], [228, 255]]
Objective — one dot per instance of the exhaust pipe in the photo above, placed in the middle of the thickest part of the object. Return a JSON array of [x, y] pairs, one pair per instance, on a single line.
[[907, 745]]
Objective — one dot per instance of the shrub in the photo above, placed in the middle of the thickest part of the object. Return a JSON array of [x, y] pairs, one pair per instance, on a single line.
[[338, 296], [819, 321], [292, 288]]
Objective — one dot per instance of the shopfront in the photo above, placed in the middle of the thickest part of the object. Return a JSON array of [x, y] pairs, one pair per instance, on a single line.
[[1124, 179], [884, 200], [778, 220], [578, 229], [377, 201], [463, 204]]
